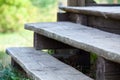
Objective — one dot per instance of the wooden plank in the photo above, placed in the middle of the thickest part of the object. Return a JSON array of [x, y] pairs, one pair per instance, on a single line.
[[78, 18], [72, 2], [103, 5], [81, 2], [109, 25], [62, 16], [90, 2], [107, 70], [82, 37], [106, 12], [42, 42], [76, 2], [41, 66]]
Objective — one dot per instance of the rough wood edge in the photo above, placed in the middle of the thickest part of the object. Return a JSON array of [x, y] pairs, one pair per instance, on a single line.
[[30, 71], [89, 12]]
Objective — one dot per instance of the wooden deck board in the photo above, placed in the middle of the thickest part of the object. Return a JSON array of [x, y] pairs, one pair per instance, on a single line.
[[93, 40], [106, 12], [42, 66]]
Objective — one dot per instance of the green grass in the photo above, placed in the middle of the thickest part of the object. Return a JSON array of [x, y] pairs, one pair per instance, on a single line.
[[22, 38], [10, 73]]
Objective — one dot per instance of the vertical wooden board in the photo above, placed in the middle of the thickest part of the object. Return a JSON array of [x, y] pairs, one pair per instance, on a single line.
[[106, 24], [72, 2], [81, 2], [90, 2], [100, 69], [76, 2], [78, 18], [107, 70], [42, 42], [62, 16]]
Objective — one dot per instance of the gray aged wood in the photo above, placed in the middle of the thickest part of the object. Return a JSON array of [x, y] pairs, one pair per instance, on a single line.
[[41, 66], [93, 4], [106, 12], [107, 70], [109, 25], [76, 2], [42, 42], [62, 16], [77, 18], [84, 59], [90, 2], [93, 40], [81, 2]]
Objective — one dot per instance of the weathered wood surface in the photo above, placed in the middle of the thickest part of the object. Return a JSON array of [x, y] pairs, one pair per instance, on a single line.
[[41, 66], [76, 2], [77, 18], [106, 12], [42, 42], [109, 25], [80, 2], [93, 4], [107, 70], [102, 43], [62, 16]]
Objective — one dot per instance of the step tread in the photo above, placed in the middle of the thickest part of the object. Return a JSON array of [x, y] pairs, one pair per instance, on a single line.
[[90, 39], [106, 12], [42, 66]]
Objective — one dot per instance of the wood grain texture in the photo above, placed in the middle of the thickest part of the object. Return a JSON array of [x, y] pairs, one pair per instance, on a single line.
[[106, 12], [62, 16], [42, 42], [107, 70], [90, 2], [78, 18], [76, 2], [41, 66], [93, 40], [108, 25]]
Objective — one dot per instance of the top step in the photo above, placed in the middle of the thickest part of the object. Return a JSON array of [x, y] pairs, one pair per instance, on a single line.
[[106, 12], [93, 40]]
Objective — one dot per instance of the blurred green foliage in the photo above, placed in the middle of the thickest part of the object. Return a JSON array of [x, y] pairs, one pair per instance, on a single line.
[[106, 1], [43, 3], [14, 13], [10, 73]]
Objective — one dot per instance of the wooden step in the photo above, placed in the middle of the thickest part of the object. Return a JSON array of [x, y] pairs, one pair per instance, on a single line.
[[42, 66], [89, 39], [106, 12]]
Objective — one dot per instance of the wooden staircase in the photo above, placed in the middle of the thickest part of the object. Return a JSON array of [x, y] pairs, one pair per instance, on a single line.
[[87, 29]]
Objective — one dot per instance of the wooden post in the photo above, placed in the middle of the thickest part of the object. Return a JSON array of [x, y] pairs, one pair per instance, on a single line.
[[90, 2], [76, 2], [62, 16], [80, 2], [107, 70]]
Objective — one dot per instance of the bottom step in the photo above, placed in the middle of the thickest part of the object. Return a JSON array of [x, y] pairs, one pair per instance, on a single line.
[[42, 66]]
